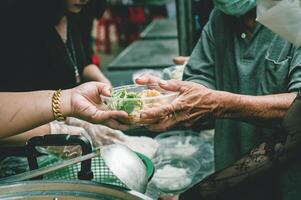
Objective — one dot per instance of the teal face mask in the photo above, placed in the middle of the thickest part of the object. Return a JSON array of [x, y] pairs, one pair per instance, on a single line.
[[235, 7]]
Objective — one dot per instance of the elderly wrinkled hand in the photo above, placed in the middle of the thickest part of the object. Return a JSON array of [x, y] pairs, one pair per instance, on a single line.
[[193, 103]]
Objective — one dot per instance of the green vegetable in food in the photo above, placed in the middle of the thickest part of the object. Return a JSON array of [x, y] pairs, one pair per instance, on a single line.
[[126, 101]]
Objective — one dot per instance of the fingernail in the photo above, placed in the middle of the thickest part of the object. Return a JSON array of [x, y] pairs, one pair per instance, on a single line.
[[107, 90], [138, 78], [163, 82]]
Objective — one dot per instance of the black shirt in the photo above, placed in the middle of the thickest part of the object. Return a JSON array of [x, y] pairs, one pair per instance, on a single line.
[[33, 56]]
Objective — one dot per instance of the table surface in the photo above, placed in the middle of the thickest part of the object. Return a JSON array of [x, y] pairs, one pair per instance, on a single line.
[[149, 54], [139, 2], [161, 29]]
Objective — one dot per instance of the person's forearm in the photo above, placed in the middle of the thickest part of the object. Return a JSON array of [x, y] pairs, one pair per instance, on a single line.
[[24, 111], [93, 73], [249, 108], [22, 138]]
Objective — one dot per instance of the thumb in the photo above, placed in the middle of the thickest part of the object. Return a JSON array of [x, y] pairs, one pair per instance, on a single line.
[[103, 89]]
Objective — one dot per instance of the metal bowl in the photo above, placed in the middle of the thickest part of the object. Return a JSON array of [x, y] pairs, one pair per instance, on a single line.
[[126, 165]]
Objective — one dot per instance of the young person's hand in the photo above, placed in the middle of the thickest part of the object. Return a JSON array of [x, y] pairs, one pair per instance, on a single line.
[[84, 102]]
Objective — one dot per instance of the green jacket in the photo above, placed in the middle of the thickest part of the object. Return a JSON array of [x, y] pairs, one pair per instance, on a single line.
[[225, 60]]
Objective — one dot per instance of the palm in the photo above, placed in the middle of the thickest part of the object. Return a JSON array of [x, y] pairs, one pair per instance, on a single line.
[[86, 104], [86, 101]]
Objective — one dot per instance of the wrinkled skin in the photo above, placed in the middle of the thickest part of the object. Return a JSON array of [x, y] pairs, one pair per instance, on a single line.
[[193, 103]]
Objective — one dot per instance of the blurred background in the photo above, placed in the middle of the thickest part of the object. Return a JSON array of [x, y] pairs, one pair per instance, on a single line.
[[132, 35]]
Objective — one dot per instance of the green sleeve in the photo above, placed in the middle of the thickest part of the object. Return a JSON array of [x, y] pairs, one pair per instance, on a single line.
[[294, 75], [200, 68]]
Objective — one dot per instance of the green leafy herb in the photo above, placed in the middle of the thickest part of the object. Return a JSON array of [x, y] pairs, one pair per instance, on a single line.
[[126, 101]]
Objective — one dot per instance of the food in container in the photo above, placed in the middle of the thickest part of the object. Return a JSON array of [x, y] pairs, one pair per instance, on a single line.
[[135, 98]]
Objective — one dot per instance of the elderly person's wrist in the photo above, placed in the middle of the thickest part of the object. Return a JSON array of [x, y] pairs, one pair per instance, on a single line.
[[221, 103], [214, 101]]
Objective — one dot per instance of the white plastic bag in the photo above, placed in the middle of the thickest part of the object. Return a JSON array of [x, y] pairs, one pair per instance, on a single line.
[[102, 135], [174, 72], [264, 5], [282, 17]]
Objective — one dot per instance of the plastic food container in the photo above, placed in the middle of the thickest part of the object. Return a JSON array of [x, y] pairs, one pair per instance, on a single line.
[[174, 174], [135, 98], [180, 143], [187, 144]]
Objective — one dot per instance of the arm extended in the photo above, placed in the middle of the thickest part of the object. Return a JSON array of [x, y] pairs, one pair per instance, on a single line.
[[254, 109], [196, 102], [23, 111]]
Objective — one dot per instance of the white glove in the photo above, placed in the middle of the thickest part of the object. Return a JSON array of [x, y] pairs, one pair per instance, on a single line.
[[100, 135], [62, 128]]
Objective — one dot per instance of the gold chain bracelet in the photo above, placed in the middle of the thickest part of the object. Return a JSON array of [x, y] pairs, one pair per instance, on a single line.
[[56, 108]]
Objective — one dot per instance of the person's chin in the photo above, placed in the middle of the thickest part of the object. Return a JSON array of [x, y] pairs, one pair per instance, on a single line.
[[75, 10]]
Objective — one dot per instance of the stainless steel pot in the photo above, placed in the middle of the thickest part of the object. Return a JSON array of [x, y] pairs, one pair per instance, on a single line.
[[66, 190]]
